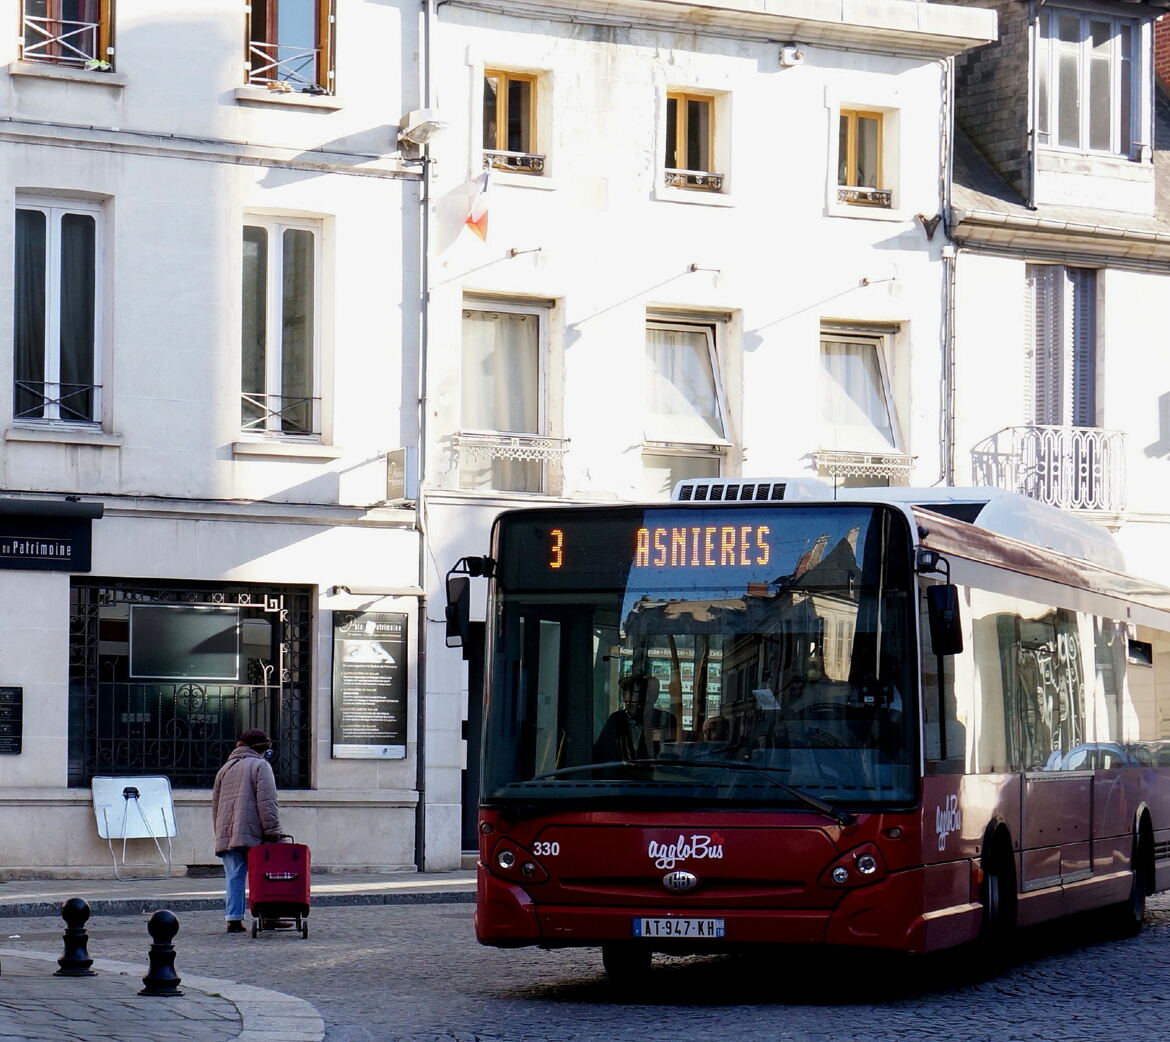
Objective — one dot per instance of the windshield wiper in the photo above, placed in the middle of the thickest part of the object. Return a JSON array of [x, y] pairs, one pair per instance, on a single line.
[[842, 817]]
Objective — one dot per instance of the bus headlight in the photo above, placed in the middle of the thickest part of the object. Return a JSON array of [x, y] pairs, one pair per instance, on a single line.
[[513, 862], [860, 866]]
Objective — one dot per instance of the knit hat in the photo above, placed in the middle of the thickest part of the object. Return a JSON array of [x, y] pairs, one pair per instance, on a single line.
[[254, 737]]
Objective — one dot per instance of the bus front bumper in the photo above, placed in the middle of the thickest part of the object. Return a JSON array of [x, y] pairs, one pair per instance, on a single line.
[[888, 915]]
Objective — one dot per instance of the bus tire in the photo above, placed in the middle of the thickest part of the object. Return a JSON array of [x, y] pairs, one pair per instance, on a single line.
[[1125, 918], [625, 963], [999, 898]]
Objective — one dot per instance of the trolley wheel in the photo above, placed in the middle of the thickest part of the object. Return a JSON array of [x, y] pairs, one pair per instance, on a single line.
[[626, 963], [305, 931], [255, 927]]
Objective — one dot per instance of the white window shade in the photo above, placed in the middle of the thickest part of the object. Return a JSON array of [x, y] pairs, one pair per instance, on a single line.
[[857, 397], [684, 395], [501, 372]]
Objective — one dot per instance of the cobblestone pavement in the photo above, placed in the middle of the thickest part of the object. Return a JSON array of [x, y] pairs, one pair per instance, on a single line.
[[413, 973]]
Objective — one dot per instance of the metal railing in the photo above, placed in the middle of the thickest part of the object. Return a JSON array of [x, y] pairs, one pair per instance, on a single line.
[[57, 402], [280, 414], [1076, 468], [862, 196], [516, 162], [481, 447], [694, 179], [61, 42], [279, 63], [894, 466]]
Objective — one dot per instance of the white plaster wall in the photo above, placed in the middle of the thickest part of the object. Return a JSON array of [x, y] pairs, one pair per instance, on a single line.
[[613, 243]]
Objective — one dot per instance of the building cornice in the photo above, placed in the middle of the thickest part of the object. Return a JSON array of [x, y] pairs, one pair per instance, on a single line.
[[1048, 237], [208, 150], [910, 28]]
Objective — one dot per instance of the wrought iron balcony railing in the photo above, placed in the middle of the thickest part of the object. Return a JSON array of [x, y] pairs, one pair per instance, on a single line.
[[280, 414], [514, 162], [1077, 468], [862, 196], [62, 42], [57, 402], [892, 466], [482, 447], [694, 179], [278, 63]]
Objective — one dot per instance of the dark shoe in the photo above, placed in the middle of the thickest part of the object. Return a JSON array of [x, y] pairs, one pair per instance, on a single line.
[[235, 926]]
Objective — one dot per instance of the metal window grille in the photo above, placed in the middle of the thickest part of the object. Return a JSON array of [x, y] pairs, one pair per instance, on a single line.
[[186, 728], [61, 41], [276, 413], [69, 403]]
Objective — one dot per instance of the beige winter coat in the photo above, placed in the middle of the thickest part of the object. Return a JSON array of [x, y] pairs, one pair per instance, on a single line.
[[244, 810]]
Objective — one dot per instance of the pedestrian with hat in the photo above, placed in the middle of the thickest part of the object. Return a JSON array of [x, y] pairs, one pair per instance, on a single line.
[[244, 813]]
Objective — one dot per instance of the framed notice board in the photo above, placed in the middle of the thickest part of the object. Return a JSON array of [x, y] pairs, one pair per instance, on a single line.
[[369, 685], [11, 720]]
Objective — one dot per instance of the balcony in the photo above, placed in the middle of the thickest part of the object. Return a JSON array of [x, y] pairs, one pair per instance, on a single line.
[[1075, 468], [506, 462]]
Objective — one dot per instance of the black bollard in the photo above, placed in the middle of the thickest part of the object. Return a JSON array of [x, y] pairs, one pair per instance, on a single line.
[[161, 978], [75, 962]]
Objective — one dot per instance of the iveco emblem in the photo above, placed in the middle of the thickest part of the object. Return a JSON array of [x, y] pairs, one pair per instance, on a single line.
[[679, 881]]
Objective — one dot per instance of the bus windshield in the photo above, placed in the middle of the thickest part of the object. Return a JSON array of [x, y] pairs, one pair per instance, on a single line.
[[674, 656]]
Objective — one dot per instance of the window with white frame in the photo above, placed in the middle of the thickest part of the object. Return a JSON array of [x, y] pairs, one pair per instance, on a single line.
[[690, 141], [1086, 81], [290, 44], [57, 296], [509, 121], [75, 34], [686, 428], [503, 443], [279, 349], [860, 412]]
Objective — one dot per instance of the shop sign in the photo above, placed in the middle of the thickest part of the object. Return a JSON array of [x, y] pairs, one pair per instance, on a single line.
[[369, 685], [60, 544]]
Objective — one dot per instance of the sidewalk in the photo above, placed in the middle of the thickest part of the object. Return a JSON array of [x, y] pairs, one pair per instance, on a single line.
[[36, 1006], [21, 897]]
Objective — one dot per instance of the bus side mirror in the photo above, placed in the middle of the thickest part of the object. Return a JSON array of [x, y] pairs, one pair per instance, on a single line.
[[458, 612], [946, 625]]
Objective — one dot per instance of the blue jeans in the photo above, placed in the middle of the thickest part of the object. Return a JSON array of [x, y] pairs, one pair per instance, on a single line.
[[235, 870]]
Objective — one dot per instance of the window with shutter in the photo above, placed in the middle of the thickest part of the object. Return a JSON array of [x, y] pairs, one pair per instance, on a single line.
[[1061, 344]]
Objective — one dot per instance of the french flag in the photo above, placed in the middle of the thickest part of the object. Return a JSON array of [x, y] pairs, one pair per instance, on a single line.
[[477, 217]]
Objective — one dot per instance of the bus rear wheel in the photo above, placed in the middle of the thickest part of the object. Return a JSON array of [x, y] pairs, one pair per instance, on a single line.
[[1126, 917], [625, 963]]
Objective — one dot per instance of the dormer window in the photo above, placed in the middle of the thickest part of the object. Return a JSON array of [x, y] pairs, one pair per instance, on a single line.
[[1086, 81]]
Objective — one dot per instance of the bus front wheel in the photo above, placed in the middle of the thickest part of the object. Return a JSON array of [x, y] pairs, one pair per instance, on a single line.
[[999, 899], [625, 963]]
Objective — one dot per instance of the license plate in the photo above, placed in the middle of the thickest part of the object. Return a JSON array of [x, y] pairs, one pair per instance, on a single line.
[[690, 928]]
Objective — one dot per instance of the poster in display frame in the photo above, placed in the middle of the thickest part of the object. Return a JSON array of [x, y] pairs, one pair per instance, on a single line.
[[369, 685]]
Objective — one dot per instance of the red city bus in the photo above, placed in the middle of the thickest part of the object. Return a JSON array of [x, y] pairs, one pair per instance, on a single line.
[[904, 720]]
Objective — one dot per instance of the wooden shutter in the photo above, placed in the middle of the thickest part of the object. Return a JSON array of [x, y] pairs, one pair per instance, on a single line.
[[1044, 332], [1082, 293]]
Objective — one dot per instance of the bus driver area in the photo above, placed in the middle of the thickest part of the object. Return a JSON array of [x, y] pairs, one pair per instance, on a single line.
[[861, 721]]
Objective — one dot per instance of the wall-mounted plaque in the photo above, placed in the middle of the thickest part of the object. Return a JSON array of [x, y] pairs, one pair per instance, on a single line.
[[369, 685], [11, 720]]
